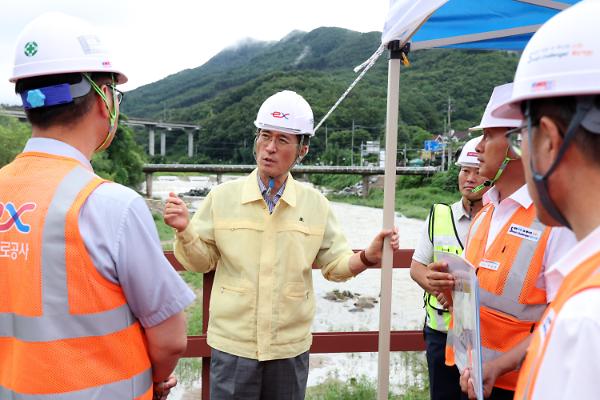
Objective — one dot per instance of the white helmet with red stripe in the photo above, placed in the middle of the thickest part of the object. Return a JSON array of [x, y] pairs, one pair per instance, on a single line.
[[287, 112], [500, 95], [468, 155], [561, 59]]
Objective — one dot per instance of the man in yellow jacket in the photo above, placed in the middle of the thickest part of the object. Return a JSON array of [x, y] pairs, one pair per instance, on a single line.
[[560, 142], [89, 306], [262, 234]]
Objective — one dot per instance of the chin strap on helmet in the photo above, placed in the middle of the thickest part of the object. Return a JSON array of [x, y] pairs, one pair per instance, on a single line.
[[112, 113], [584, 105], [491, 182]]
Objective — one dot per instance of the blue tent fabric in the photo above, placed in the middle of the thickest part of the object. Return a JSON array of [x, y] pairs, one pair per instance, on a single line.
[[474, 17]]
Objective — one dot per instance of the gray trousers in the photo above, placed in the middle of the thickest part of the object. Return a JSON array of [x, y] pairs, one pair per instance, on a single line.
[[239, 378]]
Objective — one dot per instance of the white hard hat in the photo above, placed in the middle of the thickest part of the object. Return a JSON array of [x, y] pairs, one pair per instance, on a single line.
[[561, 59], [55, 43], [287, 112], [468, 155], [499, 96]]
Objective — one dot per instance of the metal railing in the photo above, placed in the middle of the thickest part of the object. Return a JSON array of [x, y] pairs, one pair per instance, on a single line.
[[220, 169], [20, 114], [323, 342]]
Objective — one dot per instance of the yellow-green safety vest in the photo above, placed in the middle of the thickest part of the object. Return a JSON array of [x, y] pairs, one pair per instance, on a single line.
[[444, 237]]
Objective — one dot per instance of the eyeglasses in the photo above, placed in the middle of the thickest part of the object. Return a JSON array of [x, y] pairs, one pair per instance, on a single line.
[[264, 138], [117, 94], [515, 138]]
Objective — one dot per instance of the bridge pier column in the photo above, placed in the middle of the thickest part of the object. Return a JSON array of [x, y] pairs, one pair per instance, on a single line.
[[149, 185], [365, 183], [163, 143], [219, 178], [190, 144], [151, 141]]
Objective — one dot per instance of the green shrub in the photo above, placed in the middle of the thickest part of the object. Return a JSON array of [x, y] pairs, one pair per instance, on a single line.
[[337, 182], [412, 181], [446, 180], [13, 136]]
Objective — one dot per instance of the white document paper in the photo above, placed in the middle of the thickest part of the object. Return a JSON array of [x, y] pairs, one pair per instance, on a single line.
[[465, 333]]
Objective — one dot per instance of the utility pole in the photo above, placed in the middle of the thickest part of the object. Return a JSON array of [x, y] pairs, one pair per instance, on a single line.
[[352, 146], [361, 153], [448, 135], [325, 137], [449, 115], [443, 155]]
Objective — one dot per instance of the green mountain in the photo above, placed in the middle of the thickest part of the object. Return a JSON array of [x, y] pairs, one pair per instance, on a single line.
[[224, 94]]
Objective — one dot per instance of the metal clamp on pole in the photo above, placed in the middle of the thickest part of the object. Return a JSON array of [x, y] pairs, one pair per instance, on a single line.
[[399, 52]]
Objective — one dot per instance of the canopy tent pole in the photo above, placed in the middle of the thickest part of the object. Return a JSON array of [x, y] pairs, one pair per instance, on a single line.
[[475, 37], [389, 194], [557, 5]]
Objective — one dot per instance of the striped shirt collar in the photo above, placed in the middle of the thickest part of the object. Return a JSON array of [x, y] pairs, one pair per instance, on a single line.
[[271, 201]]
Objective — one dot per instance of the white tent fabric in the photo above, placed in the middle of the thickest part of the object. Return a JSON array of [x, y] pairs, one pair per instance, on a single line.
[[405, 17]]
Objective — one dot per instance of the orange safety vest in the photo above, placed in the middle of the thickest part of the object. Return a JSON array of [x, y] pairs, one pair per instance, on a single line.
[[510, 302], [585, 276], [64, 329]]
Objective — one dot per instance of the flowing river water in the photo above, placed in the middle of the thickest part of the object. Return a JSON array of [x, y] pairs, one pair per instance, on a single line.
[[360, 224]]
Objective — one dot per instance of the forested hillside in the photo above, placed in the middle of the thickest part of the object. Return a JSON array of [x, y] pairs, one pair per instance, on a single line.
[[224, 94]]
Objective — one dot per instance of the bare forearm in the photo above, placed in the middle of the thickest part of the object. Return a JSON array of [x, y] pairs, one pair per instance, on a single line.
[[512, 359], [356, 265], [418, 273], [167, 342], [163, 364]]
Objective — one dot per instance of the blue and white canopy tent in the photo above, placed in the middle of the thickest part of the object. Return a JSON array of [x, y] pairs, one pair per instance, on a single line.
[[466, 24], [485, 24]]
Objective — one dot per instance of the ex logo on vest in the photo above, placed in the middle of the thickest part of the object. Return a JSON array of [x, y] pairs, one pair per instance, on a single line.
[[14, 216]]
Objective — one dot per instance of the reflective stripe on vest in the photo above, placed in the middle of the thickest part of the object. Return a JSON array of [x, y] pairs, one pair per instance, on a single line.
[[60, 352], [443, 236], [137, 386], [510, 304], [585, 276]]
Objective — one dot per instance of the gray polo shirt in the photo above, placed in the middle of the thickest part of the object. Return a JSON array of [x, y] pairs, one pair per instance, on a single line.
[[424, 250]]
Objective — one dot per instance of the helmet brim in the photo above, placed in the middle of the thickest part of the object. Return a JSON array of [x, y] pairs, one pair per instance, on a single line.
[[268, 127]]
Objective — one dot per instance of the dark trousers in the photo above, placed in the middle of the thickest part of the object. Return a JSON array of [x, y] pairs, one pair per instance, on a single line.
[[239, 378], [501, 394], [444, 381]]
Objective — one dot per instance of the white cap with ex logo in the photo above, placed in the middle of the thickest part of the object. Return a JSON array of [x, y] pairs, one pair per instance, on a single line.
[[287, 112]]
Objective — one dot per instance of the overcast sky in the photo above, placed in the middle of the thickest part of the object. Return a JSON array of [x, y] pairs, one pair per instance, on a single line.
[[155, 38]]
